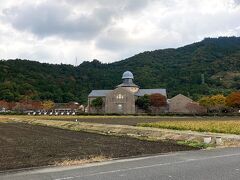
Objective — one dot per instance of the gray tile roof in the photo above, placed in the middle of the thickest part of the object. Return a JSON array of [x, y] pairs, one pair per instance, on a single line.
[[99, 93], [181, 96], [127, 85], [142, 92]]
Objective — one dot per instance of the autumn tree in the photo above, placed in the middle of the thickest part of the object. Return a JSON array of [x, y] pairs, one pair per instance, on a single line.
[[213, 103], [233, 100], [3, 104], [11, 105], [158, 100], [218, 100], [158, 103], [36, 105], [24, 105], [47, 105]]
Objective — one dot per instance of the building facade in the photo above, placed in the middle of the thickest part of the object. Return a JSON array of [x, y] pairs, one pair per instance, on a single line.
[[184, 105], [121, 100]]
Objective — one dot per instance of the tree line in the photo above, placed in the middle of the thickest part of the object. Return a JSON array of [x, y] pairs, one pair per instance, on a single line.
[[220, 103], [31, 105], [206, 68]]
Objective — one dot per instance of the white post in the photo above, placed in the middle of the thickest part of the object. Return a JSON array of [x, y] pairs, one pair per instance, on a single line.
[[218, 140], [207, 139]]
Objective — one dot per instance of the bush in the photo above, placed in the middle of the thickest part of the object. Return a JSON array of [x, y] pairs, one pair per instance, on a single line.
[[143, 102]]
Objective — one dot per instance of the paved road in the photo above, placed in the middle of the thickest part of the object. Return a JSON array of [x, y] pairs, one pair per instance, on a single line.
[[218, 164]]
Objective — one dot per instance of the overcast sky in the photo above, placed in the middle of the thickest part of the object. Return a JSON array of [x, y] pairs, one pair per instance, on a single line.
[[58, 31]]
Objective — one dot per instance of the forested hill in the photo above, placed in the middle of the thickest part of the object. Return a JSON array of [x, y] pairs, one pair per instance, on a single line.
[[178, 70]]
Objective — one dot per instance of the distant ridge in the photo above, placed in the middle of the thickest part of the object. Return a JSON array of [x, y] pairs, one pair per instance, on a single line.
[[178, 70]]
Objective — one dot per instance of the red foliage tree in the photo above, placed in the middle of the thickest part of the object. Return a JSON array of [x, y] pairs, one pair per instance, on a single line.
[[24, 105], [3, 104], [11, 105], [36, 105], [233, 99], [158, 100]]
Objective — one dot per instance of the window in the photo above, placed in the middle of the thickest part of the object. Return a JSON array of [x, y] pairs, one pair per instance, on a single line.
[[120, 107], [119, 96]]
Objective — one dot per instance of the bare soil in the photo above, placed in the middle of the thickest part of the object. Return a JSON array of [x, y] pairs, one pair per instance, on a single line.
[[23, 145]]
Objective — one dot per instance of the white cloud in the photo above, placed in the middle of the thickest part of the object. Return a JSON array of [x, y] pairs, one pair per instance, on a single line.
[[57, 31]]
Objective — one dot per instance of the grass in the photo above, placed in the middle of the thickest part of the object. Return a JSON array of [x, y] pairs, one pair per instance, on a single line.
[[228, 127], [195, 144], [72, 162]]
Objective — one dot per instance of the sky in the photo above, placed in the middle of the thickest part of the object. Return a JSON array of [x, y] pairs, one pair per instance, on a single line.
[[59, 31]]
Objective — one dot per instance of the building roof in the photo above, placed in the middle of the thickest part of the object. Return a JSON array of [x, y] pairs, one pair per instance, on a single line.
[[180, 96], [127, 75], [127, 84], [99, 93], [127, 78], [142, 92]]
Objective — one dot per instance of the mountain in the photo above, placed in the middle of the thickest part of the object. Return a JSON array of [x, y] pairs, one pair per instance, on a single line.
[[203, 68]]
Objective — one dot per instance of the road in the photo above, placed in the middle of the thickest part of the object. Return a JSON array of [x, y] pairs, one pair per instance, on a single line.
[[217, 164]]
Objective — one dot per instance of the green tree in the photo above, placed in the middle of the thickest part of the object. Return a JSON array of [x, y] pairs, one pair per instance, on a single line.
[[143, 102], [97, 103], [205, 101], [7, 95]]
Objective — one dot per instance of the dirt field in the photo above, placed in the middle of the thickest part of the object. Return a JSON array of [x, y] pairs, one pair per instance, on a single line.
[[25, 145]]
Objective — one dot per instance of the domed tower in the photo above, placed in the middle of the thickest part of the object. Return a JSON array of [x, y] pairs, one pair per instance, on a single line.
[[128, 84]]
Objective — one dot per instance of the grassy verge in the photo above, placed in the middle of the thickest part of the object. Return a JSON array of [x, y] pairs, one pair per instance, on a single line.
[[72, 162], [195, 144], [228, 127]]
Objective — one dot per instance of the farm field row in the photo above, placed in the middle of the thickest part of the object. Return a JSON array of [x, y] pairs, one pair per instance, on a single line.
[[31, 145], [124, 120], [223, 126], [26, 145]]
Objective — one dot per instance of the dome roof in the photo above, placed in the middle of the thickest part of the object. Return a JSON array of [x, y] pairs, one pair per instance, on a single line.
[[127, 75]]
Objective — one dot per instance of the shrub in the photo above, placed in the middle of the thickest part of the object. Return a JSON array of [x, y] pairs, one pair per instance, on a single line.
[[143, 102]]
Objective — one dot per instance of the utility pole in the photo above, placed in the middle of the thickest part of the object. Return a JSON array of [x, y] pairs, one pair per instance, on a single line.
[[76, 61]]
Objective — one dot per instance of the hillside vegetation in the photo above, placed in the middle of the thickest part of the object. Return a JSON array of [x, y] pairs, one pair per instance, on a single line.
[[178, 70]]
